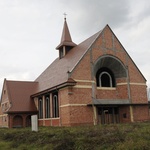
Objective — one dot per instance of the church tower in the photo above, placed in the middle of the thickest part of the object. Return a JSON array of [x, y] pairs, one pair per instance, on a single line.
[[66, 43]]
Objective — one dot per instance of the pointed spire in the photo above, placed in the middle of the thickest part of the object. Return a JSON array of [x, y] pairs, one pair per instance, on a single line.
[[66, 37]]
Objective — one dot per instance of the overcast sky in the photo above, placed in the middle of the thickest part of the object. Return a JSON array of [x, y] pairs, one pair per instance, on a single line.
[[30, 30]]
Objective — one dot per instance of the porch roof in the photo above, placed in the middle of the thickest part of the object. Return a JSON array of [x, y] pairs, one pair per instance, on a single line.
[[113, 102]]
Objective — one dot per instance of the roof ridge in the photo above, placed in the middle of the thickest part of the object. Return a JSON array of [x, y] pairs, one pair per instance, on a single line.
[[21, 81], [91, 37], [57, 72]]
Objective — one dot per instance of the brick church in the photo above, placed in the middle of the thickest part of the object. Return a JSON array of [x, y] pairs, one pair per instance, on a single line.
[[94, 82]]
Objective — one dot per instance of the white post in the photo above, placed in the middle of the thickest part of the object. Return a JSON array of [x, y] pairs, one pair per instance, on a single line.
[[34, 122]]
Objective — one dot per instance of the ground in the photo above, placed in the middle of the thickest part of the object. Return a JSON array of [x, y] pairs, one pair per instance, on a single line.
[[107, 137]]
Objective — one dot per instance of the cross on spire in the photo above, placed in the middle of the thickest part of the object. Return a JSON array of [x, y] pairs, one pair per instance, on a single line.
[[66, 41], [65, 15]]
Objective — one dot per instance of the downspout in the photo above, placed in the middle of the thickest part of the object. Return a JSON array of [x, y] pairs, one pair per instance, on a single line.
[[128, 85], [93, 89], [129, 92]]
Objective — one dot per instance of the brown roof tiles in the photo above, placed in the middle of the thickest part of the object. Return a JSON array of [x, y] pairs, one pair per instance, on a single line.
[[66, 37], [57, 72], [19, 95]]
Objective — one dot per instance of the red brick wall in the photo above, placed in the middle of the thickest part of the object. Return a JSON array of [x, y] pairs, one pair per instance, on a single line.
[[49, 122], [73, 100], [124, 114], [73, 106], [107, 43], [81, 96], [83, 70], [81, 115], [63, 96], [141, 113], [65, 116], [138, 94]]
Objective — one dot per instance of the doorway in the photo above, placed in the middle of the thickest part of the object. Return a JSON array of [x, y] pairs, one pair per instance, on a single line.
[[108, 115]]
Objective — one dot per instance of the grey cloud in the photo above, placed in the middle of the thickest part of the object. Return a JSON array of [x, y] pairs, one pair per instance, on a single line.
[[31, 29], [98, 12], [87, 17]]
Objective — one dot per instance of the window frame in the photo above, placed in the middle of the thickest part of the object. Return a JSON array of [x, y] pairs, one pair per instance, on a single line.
[[40, 108], [47, 107], [110, 79], [55, 106], [110, 75]]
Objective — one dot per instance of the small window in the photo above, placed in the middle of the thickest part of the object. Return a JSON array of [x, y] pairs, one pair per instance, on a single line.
[[61, 53]]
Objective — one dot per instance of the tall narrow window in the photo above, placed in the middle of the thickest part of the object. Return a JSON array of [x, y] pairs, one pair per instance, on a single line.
[[47, 106], [55, 106], [61, 53], [40, 104]]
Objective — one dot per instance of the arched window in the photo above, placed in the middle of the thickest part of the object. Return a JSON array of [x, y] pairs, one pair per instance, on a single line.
[[17, 121], [55, 106], [105, 79], [47, 106], [40, 105]]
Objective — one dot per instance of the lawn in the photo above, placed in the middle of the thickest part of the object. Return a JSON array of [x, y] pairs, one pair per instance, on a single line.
[[135, 136]]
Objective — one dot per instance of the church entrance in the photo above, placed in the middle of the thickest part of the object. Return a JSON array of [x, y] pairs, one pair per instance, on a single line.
[[108, 115]]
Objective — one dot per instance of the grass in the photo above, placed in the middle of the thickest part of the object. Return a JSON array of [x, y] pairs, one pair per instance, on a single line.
[[134, 136]]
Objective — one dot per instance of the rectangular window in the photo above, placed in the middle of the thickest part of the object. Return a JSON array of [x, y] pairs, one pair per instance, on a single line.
[[55, 104], [61, 53], [40, 107], [47, 106]]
